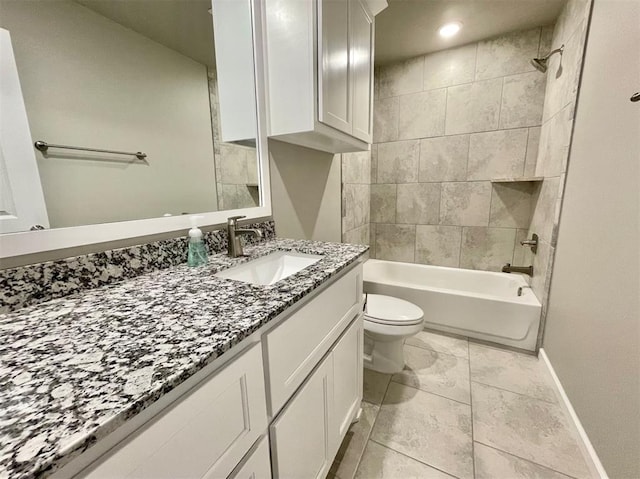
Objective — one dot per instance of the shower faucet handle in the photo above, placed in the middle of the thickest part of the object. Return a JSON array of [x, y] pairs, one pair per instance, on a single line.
[[533, 242]]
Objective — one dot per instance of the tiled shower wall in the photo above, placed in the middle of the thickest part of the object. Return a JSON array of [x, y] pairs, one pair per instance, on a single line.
[[445, 125], [356, 194], [559, 107]]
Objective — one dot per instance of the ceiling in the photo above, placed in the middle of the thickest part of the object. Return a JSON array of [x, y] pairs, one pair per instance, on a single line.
[[182, 25], [408, 28]]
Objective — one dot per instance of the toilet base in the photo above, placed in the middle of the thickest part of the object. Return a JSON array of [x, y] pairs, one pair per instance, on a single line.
[[385, 356]]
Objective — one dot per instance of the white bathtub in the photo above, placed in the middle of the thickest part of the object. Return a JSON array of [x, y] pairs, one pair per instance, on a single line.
[[477, 304]]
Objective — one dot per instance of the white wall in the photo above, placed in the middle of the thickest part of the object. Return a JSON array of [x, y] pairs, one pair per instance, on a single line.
[[89, 81], [305, 192], [593, 323]]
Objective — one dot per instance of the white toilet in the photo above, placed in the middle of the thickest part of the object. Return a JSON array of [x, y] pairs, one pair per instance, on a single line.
[[388, 321]]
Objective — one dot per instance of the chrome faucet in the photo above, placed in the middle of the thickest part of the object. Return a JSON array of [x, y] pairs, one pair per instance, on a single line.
[[507, 268], [234, 245]]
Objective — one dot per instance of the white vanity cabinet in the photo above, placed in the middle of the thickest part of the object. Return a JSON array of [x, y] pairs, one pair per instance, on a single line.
[[320, 72], [204, 434], [278, 407], [305, 437]]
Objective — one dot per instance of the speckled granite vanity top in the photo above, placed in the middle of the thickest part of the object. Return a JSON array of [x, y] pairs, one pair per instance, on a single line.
[[74, 369]]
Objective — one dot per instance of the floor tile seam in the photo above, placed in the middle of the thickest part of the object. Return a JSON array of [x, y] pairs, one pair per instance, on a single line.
[[386, 446], [436, 351], [473, 451], [569, 476], [361, 455], [514, 392], [430, 392]]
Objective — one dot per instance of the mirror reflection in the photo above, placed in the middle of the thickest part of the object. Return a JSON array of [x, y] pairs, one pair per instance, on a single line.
[[129, 76]]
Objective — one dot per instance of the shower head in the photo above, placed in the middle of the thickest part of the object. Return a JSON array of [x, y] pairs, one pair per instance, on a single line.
[[541, 64]]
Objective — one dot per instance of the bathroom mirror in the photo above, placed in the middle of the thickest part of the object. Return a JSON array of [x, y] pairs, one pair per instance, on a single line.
[[176, 112]]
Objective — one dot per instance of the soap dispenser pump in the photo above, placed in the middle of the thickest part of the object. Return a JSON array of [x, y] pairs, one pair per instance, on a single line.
[[197, 251]]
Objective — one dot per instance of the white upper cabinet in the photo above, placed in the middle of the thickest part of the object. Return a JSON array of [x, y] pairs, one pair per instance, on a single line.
[[320, 72]]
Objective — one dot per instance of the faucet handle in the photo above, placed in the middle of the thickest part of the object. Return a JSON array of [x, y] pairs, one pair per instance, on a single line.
[[233, 220]]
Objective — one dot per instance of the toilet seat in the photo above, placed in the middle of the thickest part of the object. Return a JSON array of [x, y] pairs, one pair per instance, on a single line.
[[390, 311]]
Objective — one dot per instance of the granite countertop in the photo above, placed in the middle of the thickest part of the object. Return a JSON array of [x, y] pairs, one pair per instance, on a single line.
[[74, 369]]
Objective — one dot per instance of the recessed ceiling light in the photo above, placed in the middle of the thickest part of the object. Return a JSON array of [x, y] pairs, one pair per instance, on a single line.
[[450, 29]]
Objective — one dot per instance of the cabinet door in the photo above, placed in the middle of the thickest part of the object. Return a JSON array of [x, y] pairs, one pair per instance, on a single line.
[[334, 90], [361, 68], [302, 444], [257, 466], [347, 379], [204, 434]]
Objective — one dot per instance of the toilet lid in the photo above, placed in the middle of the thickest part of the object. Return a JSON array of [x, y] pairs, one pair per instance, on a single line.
[[394, 311]]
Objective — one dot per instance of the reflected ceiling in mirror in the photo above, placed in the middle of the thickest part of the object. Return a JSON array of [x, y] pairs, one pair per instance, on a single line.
[[130, 76]]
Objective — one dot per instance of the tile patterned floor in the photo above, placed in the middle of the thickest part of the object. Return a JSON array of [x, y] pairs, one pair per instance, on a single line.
[[463, 410]]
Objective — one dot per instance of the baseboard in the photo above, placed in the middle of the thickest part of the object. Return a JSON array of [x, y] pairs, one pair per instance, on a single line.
[[589, 453]]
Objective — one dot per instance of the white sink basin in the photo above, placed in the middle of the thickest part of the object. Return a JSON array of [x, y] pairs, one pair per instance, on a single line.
[[271, 268]]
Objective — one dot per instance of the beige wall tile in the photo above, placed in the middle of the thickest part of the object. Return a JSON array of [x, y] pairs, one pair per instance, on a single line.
[[356, 200], [438, 245], [398, 162], [465, 204], [531, 157], [542, 262], [395, 242], [252, 167], [421, 115], [487, 249], [546, 40], [544, 204], [450, 67], [385, 119], [400, 78], [418, 203], [554, 144], [358, 235], [473, 107], [356, 167], [444, 158], [383, 203], [233, 164], [507, 54], [511, 205], [522, 100], [374, 163], [497, 154]]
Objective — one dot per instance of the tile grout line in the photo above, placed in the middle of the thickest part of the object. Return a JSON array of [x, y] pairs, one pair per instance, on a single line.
[[436, 351], [473, 451], [430, 392], [413, 458], [525, 459], [514, 392]]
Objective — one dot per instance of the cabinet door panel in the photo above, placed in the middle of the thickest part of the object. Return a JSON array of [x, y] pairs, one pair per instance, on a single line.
[[295, 346], [206, 433], [302, 436], [347, 379], [361, 68], [334, 91], [257, 466]]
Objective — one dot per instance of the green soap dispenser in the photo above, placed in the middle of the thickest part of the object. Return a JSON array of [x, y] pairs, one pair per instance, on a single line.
[[197, 255]]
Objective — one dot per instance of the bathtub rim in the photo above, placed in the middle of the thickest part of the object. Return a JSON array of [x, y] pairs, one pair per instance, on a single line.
[[528, 297]]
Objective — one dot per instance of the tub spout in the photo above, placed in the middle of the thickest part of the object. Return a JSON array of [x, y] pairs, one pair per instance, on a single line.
[[507, 268]]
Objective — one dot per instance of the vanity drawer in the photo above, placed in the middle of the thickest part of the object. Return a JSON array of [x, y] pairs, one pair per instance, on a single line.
[[204, 434], [296, 346]]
